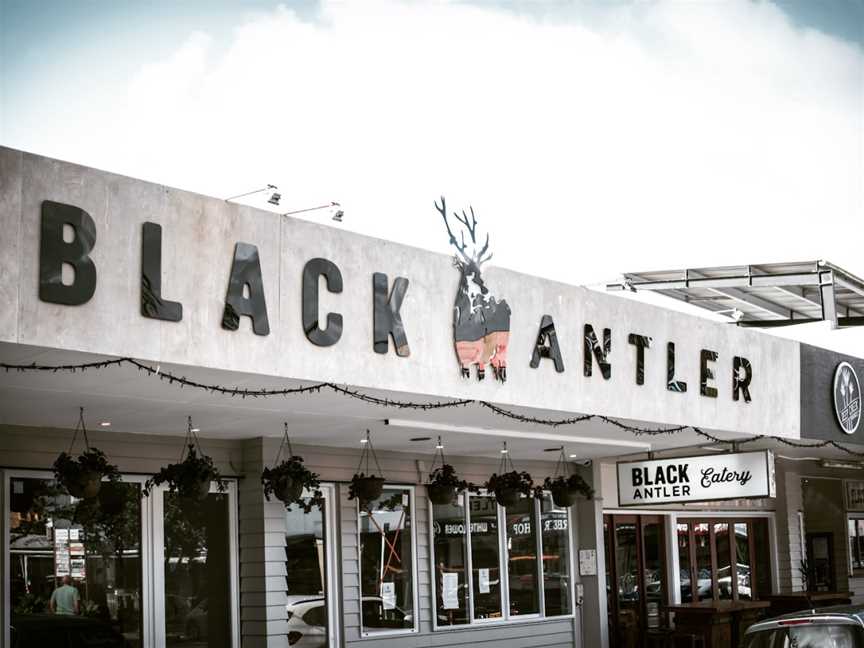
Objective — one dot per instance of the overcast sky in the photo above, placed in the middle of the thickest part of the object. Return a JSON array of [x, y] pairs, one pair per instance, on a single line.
[[591, 138]]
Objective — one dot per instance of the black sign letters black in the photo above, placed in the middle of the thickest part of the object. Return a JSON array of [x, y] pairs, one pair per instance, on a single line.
[[246, 276], [311, 271], [54, 252], [152, 304]]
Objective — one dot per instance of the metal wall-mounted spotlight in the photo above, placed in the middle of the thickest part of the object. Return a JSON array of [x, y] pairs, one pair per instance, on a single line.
[[338, 213], [274, 199]]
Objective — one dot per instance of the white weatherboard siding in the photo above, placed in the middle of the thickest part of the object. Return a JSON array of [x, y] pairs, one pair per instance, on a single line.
[[198, 239]]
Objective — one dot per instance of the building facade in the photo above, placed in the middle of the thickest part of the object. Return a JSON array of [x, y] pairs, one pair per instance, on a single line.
[[246, 320]]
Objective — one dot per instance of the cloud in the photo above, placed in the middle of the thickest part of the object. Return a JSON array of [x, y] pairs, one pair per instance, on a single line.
[[590, 141]]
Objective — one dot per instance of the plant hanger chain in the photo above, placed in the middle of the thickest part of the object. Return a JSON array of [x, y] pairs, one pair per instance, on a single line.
[[561, 465], [505, 459], [367, 450], [191, 440], [80, 425], [439, 452], [286, 440]]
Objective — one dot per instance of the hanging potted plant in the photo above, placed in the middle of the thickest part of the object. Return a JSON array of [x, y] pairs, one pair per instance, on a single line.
[[509, 485], [190, 478], [287, 480], [366, 487], [82, 477], [565, 489], [443, 484]]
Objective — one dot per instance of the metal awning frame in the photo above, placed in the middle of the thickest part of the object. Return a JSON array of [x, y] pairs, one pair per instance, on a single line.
[[733, 282]]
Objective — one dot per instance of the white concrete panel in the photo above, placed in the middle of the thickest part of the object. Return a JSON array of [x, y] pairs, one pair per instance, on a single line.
[[10, 235], [199, 235]]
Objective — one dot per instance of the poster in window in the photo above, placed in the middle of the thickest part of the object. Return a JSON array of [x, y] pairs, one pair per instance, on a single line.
[[483, 578], [61, 562], [388, 595], [77, 568], [450, 591]]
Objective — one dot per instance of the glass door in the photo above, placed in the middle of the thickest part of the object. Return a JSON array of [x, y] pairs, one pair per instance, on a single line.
[[636, 576]]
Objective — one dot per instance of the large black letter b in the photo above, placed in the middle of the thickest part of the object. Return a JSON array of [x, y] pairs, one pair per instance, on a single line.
[[54, 252]]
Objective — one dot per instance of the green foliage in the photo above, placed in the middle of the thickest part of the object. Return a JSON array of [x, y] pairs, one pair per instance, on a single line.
[[573, 483], [293, 473], [70, 473], [516, 480], [362, 487], [445, 475], [30, 604], [185, 478]]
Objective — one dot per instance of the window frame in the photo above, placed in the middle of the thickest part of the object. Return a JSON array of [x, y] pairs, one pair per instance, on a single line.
[[855, 518], [152, 574], [503, 566], [414, 570]]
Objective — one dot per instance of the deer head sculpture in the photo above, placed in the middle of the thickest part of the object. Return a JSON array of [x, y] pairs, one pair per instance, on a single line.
[[481, 325]]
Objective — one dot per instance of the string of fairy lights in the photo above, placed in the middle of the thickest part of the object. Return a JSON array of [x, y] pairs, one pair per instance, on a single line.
[[246, 392]]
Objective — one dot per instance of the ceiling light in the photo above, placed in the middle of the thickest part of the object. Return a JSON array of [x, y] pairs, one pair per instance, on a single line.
[[194, 429], [105, 424], [364, 440], [848, 465], [517, 434], [504, 451]]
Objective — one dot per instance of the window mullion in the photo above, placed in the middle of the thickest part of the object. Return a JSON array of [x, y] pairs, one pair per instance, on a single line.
[[503, 562], [539, 537], [468, 562]]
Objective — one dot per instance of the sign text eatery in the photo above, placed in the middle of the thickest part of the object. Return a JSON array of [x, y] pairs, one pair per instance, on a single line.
[[696, 479]]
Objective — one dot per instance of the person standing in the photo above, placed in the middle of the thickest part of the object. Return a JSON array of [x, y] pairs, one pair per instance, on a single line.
[[65, 599]]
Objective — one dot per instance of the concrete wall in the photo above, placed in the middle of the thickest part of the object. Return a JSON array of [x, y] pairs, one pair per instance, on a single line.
[[199, 235]]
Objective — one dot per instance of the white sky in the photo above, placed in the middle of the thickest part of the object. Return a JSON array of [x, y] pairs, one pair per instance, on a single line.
[[600, 139]]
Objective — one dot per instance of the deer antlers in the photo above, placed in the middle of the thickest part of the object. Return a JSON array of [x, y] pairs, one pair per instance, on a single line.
[[471, 226]]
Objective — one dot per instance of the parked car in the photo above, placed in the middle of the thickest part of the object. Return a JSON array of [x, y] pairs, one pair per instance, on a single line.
[[65, 631], [833, 627], [307, 622]]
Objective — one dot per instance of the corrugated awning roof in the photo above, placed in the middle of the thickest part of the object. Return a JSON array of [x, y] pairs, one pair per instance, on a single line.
[[771, 294]]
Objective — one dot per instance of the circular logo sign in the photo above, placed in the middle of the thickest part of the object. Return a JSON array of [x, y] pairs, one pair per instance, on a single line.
[[847, 397]]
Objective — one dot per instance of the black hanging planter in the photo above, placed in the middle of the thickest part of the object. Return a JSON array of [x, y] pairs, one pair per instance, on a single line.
[[443, 484], [82, 477], [366, 487], [190, 478], [566, 489], [288, 479], [509, 486]]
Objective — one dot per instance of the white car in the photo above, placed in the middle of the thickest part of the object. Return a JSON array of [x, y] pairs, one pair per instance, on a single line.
[[307, 622]]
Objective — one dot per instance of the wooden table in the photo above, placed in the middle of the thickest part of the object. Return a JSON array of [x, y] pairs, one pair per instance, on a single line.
[[796, 601], [720, 623]]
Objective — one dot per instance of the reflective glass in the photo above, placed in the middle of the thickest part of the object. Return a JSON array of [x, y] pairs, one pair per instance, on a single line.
[[627, 570], [485, 557], [704, 574], [522, 558], [386, 562], [306, 568], [70, 555], [451, 569], [724, 560], [742, 567], [555, 530], [653, 564], [685, 568], [197, 572]]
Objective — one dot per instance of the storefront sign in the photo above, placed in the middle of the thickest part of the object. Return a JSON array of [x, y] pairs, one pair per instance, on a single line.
[[854, 495], [847, 397], [696, 479]]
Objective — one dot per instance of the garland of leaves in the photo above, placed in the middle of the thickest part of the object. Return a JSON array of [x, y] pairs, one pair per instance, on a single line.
[[182, 381]]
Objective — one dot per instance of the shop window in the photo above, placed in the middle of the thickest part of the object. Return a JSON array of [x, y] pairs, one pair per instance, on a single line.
[[197, 568], [519, 560], [93, 546], [387, 563], [653, 565], [723, 559], [856, 542], [485, 557], [555, 539], [307, 556], [451, 567], [522, 558]]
